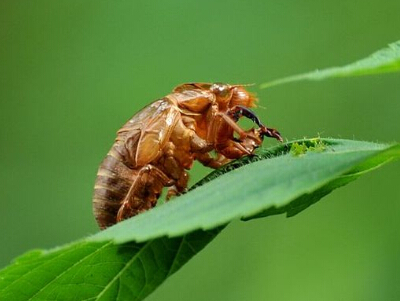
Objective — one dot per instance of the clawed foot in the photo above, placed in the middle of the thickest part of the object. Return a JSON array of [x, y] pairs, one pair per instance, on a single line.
[[239, 111], [269, 132]]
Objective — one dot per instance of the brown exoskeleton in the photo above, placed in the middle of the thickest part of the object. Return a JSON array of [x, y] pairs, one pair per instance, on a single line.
[[156, 146]]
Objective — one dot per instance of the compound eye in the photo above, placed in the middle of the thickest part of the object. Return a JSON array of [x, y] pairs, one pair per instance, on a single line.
[[222, 91]]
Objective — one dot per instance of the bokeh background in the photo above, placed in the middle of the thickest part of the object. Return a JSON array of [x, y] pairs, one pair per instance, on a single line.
[[72, 72]]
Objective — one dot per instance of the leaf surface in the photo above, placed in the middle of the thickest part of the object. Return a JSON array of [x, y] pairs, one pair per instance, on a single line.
[[99, 271], [273, 182], [382, 61], [131, 259]]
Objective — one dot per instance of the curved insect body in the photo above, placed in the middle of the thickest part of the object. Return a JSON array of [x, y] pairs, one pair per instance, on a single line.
[[157, 146]]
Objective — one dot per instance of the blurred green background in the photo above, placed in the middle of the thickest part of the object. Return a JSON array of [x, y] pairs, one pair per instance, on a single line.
[[72, 72]]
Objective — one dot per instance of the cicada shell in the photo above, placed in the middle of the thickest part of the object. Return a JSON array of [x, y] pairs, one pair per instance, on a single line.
[[157, 146]]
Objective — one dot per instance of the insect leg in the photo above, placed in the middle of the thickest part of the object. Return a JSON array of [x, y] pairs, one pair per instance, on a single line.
[[232, 123], [197, 144], [179, 187], [174, 163], [208, 160], [144, 192], [270, 132], [239, 111]]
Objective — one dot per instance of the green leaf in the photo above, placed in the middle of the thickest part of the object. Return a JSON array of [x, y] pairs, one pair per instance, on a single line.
[[131, 259], [383, 61], [99, 271], [249, 190]]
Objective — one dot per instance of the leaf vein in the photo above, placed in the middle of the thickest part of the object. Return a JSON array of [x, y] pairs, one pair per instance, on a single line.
[[118, 275], [69, 268]]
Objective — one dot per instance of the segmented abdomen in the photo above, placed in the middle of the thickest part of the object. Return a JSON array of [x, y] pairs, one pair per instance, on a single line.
[[113, 182]]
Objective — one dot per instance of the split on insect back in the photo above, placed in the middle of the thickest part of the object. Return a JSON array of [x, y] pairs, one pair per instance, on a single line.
[[156, 147]]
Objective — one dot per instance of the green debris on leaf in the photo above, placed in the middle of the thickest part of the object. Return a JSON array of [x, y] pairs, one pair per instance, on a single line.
[[312, 145]]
